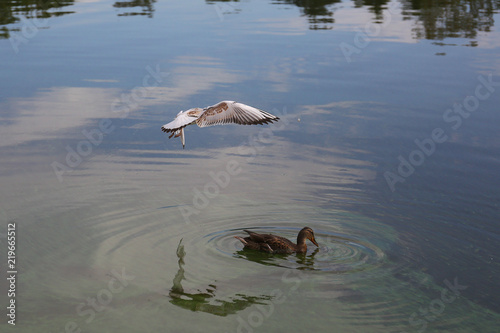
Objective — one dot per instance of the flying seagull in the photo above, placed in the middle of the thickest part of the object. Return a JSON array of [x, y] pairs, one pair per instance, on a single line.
[[225, 112]]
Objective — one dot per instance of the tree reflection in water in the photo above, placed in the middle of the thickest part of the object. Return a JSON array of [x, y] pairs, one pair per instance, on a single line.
[[434, 20], [146, 7], [318, 13], [12, 12], [437, 20]]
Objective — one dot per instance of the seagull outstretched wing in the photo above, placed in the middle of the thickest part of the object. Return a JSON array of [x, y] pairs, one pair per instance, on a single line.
[[227, 112]]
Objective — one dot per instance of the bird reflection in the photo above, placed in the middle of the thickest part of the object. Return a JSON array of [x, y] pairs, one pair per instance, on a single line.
[[304, 261], [206, 301]]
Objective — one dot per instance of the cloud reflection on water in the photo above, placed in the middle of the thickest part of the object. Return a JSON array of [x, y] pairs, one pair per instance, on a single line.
[[57, 112]]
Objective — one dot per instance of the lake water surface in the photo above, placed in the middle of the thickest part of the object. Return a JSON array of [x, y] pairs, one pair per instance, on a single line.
[[387, 147]]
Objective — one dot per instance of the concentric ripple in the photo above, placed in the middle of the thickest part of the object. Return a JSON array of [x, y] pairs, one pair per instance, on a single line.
[[337, 253]]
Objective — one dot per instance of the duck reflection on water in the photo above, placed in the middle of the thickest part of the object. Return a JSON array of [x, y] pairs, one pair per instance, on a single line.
[[303, 261]]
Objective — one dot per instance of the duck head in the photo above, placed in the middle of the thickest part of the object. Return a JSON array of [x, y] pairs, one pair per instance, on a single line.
[[306, 233]]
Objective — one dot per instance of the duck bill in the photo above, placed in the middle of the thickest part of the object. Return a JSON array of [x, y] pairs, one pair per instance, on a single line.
[[314, 242]]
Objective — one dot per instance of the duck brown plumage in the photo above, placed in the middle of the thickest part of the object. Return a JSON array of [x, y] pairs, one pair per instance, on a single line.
[[277, 244]]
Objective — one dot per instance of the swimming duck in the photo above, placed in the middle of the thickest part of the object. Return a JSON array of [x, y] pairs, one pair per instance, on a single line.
[[277, 244], [225, 112]]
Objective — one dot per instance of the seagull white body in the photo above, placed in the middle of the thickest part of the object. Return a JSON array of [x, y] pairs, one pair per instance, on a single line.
[[225, 112]]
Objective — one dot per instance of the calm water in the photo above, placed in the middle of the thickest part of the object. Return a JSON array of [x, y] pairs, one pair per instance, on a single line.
[[387, 147]]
